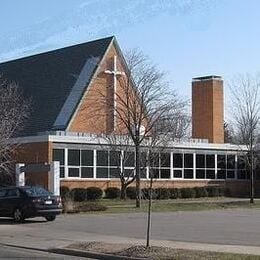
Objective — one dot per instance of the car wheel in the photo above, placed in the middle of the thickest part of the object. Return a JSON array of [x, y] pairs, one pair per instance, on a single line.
[[50, 218], [18, 215]]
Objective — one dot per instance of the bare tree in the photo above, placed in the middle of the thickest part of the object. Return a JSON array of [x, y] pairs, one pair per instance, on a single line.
[[121, 151], [228, 133], [143, 99], [139, 102], [246, 106], [14, 110]]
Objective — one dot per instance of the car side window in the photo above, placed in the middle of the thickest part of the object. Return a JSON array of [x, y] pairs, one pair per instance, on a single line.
[[2, 193], [13, 193]]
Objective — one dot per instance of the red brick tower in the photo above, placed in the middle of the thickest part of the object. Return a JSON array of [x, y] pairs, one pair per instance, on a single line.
[[207, 109]]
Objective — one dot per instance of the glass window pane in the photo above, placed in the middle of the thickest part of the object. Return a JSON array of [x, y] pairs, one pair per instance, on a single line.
[[221, 174], [188, 174], [154, 159], [73, 157], [129, 159], [154, 172], [87, 158], [129, 172], [177, 160], [177, 173], [165, 174], [210, 161], [241, 174], [114, 158], [230, 161], [165, 160], [58, 155], [188, 160], [62, 174], [200, 160], [143, 159], [114, 172], [241, 162], [102, 158], [230, 174], [221, 161], [143, 173], [210, 174], [200, 174], [87, 172], [73, 172], [102, 172]]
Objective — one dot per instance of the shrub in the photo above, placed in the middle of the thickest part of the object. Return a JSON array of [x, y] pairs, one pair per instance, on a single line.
[[91, 206], [212, 191], [188, 193], [64, 192], [112, 193], [162, 193], [146, 194], [221, 191], [175, 193], [201, 192], [94, 193], [79, 194], [131, 192]]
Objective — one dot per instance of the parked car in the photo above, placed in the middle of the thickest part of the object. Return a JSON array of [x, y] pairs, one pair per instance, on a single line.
[[27, 202]]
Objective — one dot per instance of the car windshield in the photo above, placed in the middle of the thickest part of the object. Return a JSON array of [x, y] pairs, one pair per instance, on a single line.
[[37, 191]]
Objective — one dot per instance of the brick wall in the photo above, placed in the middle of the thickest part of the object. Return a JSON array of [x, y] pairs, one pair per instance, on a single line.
[[207, 110], [33, 153], [95, 114]]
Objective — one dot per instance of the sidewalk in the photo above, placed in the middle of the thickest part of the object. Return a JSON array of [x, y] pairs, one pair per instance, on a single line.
[[62, 243]]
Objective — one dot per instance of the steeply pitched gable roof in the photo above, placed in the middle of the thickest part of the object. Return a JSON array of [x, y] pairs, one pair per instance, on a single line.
[[49, 79]]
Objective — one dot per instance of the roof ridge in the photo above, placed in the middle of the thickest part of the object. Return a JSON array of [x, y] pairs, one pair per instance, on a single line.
[[58, 49]]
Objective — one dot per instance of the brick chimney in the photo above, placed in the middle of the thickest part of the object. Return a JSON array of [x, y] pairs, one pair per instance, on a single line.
[[207, 109]]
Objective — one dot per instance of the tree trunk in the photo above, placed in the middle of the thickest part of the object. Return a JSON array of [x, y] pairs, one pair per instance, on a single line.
[[251, 169], [137, 170], [252, 177], [123, 191], [149, 213]]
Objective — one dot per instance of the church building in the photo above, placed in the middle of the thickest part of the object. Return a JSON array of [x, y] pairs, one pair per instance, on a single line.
[[67, 117]]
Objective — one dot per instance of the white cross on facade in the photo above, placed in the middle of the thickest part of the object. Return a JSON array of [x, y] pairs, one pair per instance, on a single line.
[[115, 73]]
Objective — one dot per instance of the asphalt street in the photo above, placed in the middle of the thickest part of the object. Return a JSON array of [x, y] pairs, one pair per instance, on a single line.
[[224, 227]]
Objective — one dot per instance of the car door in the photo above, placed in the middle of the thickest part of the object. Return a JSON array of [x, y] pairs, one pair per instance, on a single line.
[[11, 202], [2, 201]]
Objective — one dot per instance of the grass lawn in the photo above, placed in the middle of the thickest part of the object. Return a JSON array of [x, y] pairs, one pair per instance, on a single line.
[[128, 206]]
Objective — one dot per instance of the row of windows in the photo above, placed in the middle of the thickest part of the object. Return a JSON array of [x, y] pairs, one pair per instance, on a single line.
[[107, 164]]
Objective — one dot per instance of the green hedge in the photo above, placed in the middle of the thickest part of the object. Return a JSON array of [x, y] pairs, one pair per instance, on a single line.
[[175, 193], [201, 192], [112, 193], [188, 193], [94, 193], [162, 193], [64, 192], [131, 192], [79, 194]]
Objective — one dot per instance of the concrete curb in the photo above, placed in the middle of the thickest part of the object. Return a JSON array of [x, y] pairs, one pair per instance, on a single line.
[[89, 254]]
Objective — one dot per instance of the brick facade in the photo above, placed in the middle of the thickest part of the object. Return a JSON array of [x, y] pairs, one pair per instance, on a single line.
[[207, 109], [35, 153], [95, 113]]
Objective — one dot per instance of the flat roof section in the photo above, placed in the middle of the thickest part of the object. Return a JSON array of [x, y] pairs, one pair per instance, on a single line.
[[211, 77]]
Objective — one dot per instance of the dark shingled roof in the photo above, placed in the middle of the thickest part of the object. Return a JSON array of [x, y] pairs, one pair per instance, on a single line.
[[48, 78]]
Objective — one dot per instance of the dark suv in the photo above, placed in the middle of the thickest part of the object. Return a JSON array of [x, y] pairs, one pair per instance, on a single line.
[[27, 202]]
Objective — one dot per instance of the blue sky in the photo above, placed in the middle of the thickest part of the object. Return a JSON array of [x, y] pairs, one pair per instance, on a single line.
[[183, 37]]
